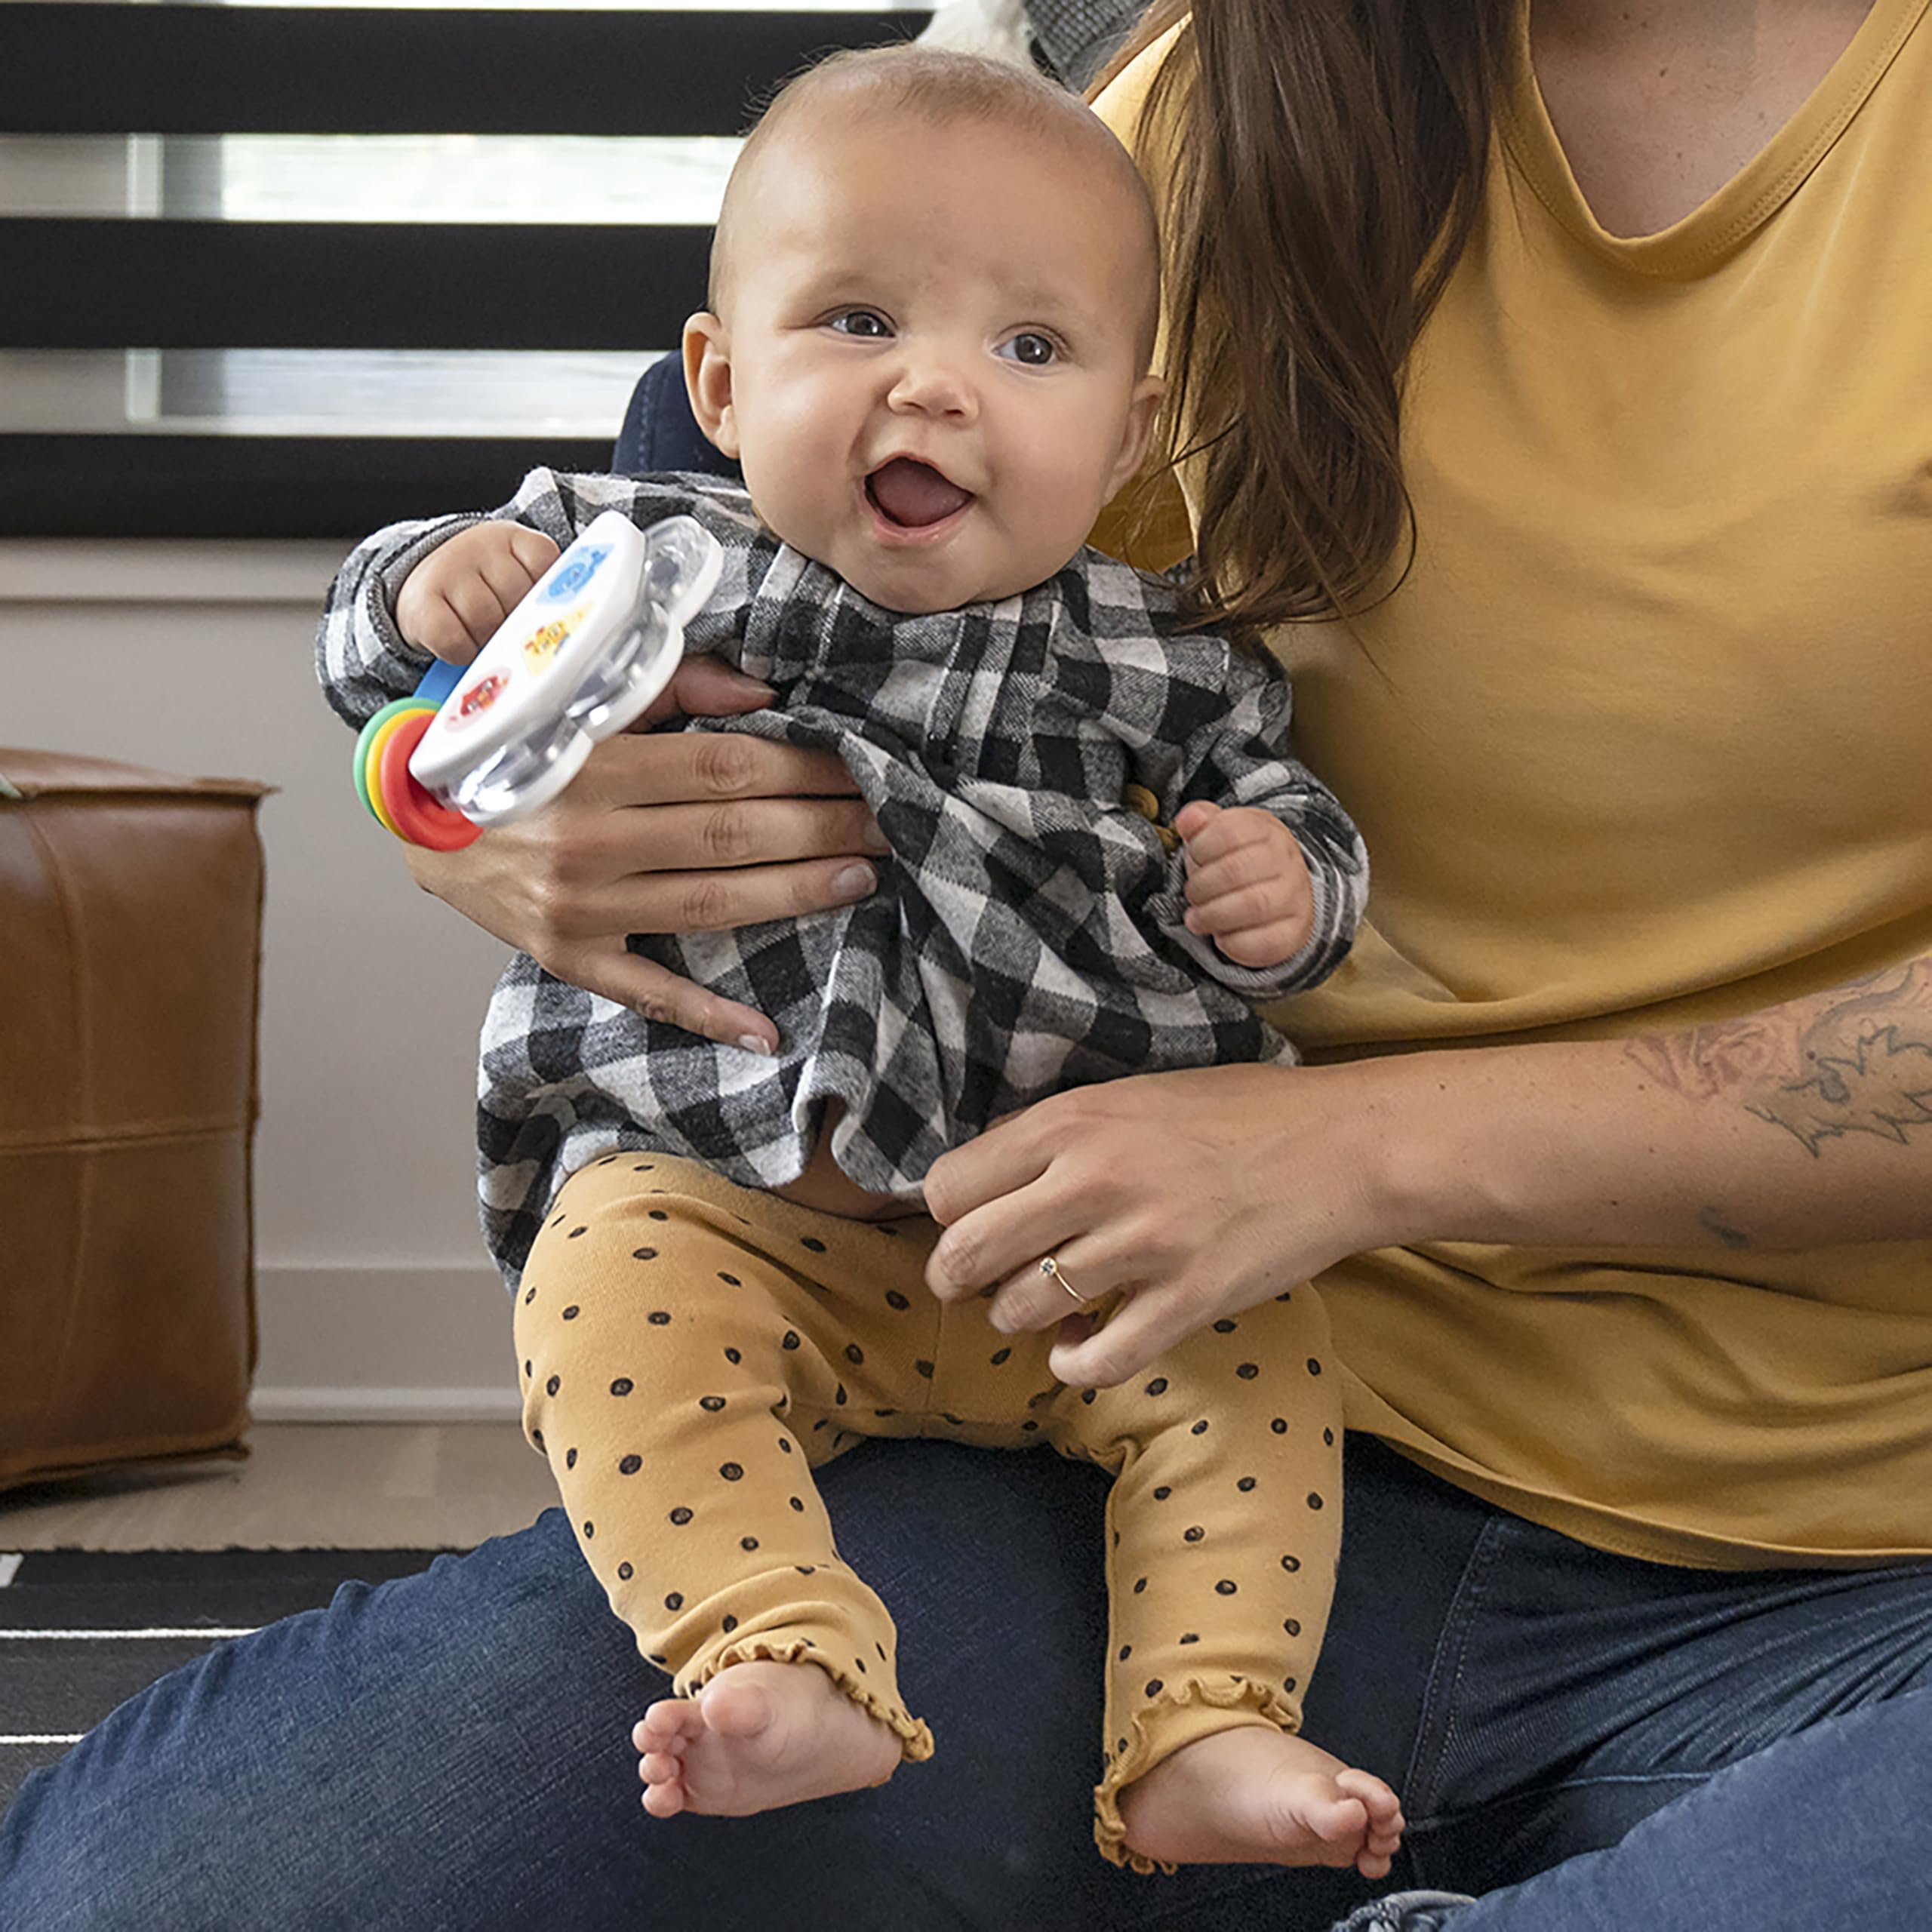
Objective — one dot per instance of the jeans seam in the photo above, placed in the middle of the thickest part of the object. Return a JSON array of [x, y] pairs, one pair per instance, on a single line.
[[1446, 1668], [1536, 1793]]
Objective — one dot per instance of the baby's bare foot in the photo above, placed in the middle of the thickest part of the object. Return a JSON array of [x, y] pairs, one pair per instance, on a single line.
[[759, 1735], [1256, 1797]]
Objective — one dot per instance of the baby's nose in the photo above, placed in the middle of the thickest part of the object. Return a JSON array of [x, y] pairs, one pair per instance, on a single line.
[[934, 383]]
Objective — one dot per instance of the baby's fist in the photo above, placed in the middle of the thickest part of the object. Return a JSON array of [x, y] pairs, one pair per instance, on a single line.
[[1247, 884], [452, 602]]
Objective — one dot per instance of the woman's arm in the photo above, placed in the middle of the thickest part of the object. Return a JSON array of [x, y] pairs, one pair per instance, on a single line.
[[1807, 1124]]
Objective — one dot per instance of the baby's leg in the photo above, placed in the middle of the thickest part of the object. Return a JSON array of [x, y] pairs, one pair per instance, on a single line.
[[681, 1362], [1224, 1526]]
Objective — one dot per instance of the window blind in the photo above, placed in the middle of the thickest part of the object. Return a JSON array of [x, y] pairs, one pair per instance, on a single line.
[[282, 270]]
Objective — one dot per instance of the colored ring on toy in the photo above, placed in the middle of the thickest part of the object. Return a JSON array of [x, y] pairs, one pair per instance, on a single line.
[[359, 763], [372, 773], [380, 798], [420, 816]]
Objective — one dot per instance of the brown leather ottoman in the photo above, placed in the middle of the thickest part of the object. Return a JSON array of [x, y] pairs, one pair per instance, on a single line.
[[129, 949]]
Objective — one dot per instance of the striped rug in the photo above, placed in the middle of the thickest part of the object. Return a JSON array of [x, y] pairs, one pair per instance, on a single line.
[[81, 1630]]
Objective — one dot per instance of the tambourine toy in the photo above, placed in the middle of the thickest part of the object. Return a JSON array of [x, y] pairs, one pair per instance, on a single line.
[[594, 641]]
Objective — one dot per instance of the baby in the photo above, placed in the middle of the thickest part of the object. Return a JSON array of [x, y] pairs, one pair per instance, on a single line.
[[932, 314]]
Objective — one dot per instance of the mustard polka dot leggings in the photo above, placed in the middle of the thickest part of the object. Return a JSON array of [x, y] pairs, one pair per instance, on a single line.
[[691, 1350]]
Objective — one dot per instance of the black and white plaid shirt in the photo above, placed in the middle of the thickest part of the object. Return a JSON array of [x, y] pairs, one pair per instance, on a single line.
[[1026, 936]]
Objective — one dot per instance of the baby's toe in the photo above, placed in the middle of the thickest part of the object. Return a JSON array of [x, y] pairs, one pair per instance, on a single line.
[[1384, 1807], [668, 1723], [1385, 1834], [664, 1800]]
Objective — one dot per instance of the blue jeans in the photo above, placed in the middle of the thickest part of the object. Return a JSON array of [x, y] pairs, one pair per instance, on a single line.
[[449, 1751]]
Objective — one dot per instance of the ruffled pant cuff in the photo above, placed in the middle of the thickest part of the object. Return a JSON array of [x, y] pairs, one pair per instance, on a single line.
[[1182, 1714], [915, 1740]]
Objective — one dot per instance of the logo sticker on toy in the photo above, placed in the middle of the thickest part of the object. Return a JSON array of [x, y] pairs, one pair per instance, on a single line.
[[570, 580], [543, 645], [479, 697]]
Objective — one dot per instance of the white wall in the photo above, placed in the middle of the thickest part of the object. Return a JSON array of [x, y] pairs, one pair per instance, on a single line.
[[376, 1299]]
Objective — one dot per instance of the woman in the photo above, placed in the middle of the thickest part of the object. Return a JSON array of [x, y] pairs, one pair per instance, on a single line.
[[1617, 1171]]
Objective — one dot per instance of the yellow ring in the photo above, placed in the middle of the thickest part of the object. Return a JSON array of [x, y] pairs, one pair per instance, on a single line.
[[372, 766]]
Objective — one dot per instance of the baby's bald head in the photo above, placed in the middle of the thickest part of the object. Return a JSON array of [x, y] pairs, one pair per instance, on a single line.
[[931, 86], [934, 294]]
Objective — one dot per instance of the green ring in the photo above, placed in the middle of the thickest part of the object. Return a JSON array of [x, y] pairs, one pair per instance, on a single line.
[[358, 769]]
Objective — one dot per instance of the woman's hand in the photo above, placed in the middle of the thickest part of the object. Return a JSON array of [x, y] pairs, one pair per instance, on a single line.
[[1193, 1196], [679, 832], [1187, 1195]]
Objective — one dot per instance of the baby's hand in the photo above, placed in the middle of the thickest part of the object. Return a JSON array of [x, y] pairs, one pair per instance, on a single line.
[[451, 603], [1247, 885]]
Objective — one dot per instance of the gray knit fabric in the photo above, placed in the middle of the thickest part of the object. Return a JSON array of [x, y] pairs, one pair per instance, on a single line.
[[1078, 38]]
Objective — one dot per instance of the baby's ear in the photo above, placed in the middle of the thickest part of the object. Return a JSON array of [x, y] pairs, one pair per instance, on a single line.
[[1143, 408], [708, 379]]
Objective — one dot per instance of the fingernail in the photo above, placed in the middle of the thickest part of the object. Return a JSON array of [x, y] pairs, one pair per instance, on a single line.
[[854, 881], [756, 1043]]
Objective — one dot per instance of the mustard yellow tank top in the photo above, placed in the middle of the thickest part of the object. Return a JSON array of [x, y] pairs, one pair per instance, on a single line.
[[1644, 740]]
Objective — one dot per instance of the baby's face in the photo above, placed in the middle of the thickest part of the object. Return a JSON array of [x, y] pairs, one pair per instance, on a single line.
[[928, 361]]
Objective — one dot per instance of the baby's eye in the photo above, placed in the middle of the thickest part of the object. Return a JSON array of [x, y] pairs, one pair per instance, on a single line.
[[1031, 347], [861, 322]]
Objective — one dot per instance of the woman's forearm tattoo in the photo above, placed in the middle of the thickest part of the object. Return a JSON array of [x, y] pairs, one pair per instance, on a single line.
[[1857, 1060]]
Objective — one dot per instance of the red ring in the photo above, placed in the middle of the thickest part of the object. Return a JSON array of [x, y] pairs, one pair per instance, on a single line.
[[419, 815]]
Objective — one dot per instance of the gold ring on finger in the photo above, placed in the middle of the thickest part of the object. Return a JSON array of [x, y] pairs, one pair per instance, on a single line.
[[1050, 1267]]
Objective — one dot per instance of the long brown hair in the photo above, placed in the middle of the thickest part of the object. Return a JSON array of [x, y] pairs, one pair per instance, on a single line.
[[1328, 160]]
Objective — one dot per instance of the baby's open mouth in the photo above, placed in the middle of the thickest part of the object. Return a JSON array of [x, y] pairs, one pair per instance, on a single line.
[[913, 494]]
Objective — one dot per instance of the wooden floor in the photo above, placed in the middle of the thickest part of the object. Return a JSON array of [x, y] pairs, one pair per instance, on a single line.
[[305, 1485]]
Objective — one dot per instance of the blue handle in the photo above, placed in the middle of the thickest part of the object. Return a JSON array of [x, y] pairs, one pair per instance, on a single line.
[[439, 681]]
